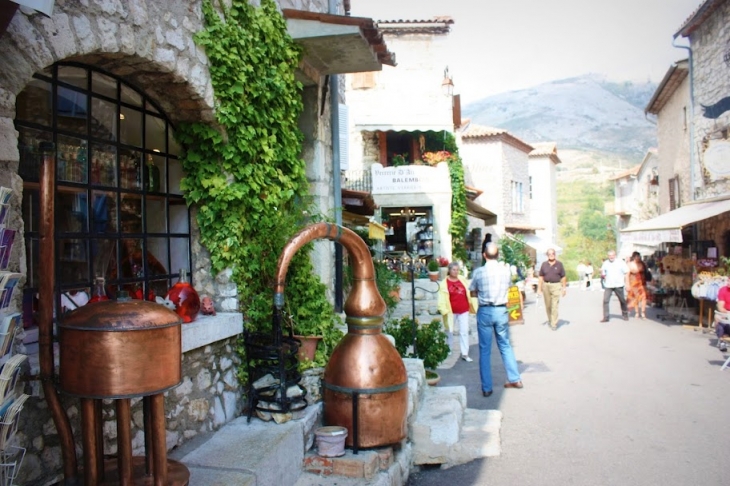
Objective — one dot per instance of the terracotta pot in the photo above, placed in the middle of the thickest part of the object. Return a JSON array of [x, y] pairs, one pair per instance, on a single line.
[[395, 293], [433, 276], [432, 378], [308, 347]]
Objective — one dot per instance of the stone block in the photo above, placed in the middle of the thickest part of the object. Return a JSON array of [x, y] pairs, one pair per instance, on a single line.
[[480, 437], [272, 453], [363, 465], [316, 464], [436, 428], [385, 457]]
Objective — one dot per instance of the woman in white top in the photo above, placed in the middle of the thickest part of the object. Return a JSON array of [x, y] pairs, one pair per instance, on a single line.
[[589, 274]]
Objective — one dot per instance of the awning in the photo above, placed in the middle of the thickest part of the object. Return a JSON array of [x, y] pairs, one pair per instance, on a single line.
[[540, 245], [667, 228], [627, 249], [406, 126], [477, 211], [336, 44]]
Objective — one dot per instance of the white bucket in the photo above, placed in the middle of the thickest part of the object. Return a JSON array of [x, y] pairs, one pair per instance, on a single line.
[[331, 440]]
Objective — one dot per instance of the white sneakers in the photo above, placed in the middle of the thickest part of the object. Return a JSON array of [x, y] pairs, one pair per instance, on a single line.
[[466, 358]]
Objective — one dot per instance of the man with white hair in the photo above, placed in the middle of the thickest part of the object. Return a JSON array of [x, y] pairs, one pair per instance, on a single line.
[[615, 277]]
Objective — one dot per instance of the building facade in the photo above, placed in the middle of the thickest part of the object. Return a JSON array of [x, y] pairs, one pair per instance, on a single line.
[[107, 83], [396, 116]]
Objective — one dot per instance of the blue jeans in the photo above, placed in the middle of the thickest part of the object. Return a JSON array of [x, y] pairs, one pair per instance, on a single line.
[[495, 319]]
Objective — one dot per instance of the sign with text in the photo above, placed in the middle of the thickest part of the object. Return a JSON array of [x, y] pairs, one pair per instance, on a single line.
[[514, 306], [407, 179]]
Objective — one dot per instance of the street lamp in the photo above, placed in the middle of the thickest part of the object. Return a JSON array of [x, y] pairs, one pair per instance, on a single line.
[[447, 85], [409, 261]]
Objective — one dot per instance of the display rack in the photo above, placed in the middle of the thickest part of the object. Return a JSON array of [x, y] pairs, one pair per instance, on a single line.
[[11, 401]]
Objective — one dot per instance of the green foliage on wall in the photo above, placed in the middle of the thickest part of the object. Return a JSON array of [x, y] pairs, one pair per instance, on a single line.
[[246, 176], [513, 251], [430, 340], [459, 221]]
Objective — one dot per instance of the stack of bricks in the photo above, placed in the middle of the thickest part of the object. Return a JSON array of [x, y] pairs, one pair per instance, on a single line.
[[365, 464]]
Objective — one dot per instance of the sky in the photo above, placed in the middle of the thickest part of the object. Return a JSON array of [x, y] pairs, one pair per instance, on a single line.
[[505, 45]]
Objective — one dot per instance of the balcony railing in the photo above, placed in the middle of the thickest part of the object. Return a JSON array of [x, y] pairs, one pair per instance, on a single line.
[[358, 180]]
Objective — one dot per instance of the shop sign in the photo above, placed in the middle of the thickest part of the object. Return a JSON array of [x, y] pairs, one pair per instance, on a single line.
[[514, 306], [407, 179]]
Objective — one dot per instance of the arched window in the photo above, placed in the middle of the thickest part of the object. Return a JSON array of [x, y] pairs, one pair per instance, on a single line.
[[119, 210]]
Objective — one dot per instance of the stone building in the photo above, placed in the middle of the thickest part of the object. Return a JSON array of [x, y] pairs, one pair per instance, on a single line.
[[692, 105], [391, 113], [497, 164], [543, 190], [107, 82]]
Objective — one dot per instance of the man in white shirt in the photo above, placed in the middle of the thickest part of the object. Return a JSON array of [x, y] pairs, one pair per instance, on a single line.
[[490, 284], [615, 276]]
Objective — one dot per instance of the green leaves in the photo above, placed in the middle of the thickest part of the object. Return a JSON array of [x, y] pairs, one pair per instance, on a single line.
[[246, 175]]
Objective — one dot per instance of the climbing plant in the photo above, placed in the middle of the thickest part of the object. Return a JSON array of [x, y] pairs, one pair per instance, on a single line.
[[246, 176], [435, 143], [459, 221]]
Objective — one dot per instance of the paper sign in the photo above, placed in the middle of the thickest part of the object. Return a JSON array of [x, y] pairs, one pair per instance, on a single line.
[[514, 306]]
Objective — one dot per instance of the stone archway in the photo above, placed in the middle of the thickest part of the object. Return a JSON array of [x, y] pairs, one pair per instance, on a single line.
[[159, 57]]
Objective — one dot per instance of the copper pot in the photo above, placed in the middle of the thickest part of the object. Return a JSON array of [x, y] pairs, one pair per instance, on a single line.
[[120, 349], [365, 377]]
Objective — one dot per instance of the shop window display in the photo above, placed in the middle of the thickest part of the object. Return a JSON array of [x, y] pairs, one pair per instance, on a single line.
[[408, 231], [120, 214]]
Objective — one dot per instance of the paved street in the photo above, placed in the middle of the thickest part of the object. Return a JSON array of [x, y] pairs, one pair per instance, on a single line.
[[622, 403]]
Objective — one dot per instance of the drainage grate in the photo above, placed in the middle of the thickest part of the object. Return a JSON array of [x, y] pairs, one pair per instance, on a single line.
[[538, 367]]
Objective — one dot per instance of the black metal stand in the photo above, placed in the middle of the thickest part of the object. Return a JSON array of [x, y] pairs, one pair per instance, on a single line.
[[273, 354]]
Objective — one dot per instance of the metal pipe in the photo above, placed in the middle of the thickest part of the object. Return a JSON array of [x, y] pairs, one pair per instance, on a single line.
[[336, 168], [159, 445], [99, 430], [690, 61], [91, 447], [45, 310], [124, 441], [364, 299]]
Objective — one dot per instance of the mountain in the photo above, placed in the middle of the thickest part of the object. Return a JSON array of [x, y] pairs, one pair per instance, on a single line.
[[585, 114]]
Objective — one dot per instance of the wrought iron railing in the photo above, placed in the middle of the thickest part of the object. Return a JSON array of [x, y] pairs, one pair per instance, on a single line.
[[358, 180]]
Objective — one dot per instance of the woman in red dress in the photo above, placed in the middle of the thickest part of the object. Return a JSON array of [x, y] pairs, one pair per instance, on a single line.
[[636, 295]]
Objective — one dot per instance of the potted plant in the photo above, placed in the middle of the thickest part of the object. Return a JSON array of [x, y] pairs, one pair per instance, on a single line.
[[433, 270], [443, 267], [430, 343], [399, 160]]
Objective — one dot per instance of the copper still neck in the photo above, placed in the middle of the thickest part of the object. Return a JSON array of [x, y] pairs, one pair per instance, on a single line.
[[364, 300]]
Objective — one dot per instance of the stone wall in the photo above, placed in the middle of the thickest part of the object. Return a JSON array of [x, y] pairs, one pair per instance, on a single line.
[[673, 136], [711, 74], [208, 397]]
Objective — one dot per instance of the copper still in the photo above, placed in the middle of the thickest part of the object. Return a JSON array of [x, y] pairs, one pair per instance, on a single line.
[[365, 382], [121, 350]]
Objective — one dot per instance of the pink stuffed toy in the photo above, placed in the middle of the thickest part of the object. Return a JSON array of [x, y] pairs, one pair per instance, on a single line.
[[206, 307]]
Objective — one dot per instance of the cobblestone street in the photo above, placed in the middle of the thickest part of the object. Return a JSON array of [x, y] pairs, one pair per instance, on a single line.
[[618, 403]]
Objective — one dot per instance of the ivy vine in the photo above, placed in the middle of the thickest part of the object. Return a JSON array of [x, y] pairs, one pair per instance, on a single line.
[[459, 221], [444, 140], [246, 176]]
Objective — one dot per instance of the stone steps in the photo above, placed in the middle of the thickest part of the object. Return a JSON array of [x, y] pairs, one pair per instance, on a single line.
[[255, 453], [441, 430], [447, 433]]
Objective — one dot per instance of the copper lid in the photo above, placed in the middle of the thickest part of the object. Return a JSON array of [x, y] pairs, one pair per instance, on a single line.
[[112, 315]]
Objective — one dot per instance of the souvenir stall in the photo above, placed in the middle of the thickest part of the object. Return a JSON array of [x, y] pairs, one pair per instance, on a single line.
[[671, 284]]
